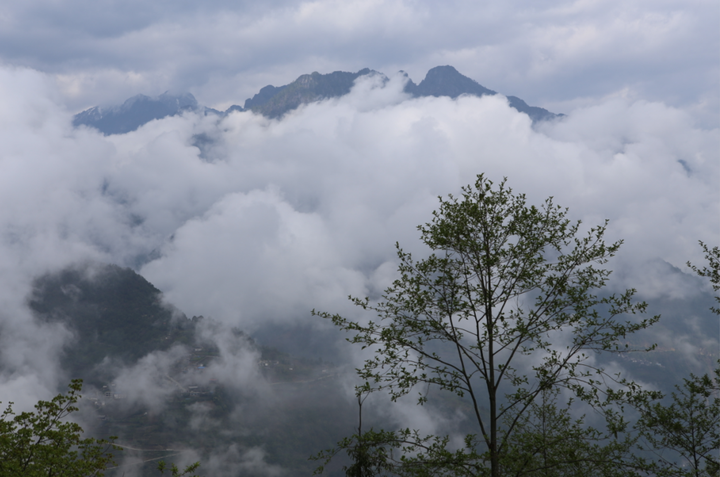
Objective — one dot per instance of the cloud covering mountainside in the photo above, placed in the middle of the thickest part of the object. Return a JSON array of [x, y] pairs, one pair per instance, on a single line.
[[254, 215], [280, 217], [273, 102]]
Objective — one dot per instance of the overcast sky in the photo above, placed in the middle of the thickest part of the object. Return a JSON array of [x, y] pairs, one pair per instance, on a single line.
[[557, 54], [283, 216]]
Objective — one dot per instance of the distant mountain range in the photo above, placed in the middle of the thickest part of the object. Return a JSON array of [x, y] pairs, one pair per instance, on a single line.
[[275, 101]]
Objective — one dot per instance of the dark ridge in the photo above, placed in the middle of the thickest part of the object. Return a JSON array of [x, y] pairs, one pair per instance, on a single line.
[[113, 312], [140, 110], [446, 81], [273, 101], [233, 108], [135, 112], [263, 96], [535, 113]]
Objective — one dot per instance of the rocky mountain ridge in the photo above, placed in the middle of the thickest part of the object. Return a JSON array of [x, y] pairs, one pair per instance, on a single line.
[[275, 101]]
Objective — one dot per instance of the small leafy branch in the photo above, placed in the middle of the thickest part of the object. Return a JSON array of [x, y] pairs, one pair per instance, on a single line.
[[44, 443], [175, 470]]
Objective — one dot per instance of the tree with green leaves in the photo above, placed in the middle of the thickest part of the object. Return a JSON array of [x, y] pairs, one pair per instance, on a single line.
[[684, 435], [711, 270], [175, 471], [43, 443], [505, 309], [549, 442]]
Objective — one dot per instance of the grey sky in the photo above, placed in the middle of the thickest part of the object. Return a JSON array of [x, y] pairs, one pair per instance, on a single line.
[[557, 54]]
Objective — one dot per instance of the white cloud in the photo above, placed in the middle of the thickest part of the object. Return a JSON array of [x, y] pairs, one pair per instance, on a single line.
[[296, 214], [148, 383]]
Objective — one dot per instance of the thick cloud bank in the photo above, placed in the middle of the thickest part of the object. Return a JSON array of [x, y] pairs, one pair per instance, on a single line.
[[273, 218]]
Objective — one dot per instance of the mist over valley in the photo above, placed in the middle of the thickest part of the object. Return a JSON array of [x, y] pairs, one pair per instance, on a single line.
[[183, 186]]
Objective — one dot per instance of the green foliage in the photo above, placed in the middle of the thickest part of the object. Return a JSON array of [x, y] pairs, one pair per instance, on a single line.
[[711, 271], [548, 442], [504, 309], [43, 443], [404, 453], [685, 434], [688, 428], [176, 472]]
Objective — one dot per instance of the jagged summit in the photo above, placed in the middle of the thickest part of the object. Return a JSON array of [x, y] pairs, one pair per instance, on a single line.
[[274, 101], [139, 110], [446, 81], [134, 112]]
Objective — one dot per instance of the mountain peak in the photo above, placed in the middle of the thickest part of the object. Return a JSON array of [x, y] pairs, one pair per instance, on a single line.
[[139, 110], [134, 112], [274, 101], [447, 81]]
